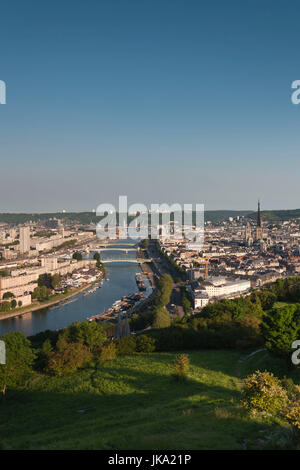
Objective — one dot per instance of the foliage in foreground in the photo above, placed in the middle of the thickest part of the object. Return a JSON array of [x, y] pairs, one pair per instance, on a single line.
[[280, 328], [181, 366], [19, 360], [263, 392]]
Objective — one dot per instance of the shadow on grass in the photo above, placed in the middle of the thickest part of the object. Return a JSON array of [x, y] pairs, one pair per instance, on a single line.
[[118, 407]]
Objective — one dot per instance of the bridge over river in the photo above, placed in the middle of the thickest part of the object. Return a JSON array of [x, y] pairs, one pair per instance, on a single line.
[[121, 247], [112, 245], [126, 250], [126, 260]]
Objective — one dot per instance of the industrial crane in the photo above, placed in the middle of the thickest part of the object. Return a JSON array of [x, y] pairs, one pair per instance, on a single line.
[[204, 260]]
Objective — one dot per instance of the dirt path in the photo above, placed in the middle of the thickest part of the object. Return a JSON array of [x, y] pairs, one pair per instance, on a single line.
[[244, 359]]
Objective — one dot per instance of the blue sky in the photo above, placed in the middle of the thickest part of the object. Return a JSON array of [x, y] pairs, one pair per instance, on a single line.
[[160, 100]]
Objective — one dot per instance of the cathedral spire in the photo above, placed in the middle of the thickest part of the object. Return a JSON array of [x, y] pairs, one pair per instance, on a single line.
[[258, 214], [259, 229]]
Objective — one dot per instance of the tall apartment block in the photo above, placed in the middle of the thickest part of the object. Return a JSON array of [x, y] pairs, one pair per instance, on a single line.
[[24, 239]]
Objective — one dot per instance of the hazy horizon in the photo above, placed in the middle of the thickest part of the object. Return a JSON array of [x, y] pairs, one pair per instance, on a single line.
[[148, 206]]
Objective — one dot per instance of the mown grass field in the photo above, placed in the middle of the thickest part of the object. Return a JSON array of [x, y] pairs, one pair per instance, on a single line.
[[133, 402]]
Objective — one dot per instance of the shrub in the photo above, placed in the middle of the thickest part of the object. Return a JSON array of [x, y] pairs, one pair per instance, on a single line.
[[204, 334], [145, 344], [43, 355], [292, 389], [19, 360], [263, 392], [125, 345], [181, 366], [292, 415], [5, 306], [107, 352], [68, 359]]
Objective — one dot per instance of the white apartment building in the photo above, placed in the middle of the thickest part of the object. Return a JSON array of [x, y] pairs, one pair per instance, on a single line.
[[200, 299], [22, 282], [220, 286]]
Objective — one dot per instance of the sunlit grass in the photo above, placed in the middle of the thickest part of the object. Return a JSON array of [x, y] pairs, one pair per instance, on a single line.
[[132, 403]]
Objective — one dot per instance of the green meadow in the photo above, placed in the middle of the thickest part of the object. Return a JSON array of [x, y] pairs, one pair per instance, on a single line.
[[133, 402]]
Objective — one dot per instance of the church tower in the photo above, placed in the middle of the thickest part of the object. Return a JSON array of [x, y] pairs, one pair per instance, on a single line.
[[247, 232]]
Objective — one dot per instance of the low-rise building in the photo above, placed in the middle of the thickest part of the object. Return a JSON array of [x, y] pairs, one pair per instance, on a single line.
[[221, 287]]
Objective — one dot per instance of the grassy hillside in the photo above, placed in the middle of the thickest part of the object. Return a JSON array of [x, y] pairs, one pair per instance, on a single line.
[[262, 360], [133, 402]]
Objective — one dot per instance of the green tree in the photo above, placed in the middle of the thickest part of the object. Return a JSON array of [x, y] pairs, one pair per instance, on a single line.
[[100, 266], [280, 327], [107, 352], [145, 344], [67, 360], [41, 293], [164, 290], [44, 280], [77, 256], [44, 354], [19, 360], [91, 334], [266, 298], [8, 295], [186, 303], [5, 306], [161, 318], [56, 281], [4, 273], [125, 345], [47, 347]]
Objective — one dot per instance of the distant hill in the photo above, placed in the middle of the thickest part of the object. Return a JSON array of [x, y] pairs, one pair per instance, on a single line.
[[277, 215], [222, 215], [88, 217], [270, 216]]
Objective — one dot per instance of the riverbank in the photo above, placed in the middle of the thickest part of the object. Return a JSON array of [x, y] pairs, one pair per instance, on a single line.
[[147, 268], [40, 305], [39, 317]]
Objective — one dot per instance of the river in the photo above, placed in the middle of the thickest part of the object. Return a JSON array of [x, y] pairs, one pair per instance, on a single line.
[[121, 282]]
